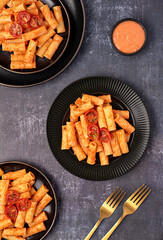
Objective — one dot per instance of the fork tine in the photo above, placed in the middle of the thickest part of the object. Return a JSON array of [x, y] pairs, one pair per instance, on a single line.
[[116, 205], [138, 194], [135, 192], [142, 200], [137, 200], [114, 197], [111, 195]]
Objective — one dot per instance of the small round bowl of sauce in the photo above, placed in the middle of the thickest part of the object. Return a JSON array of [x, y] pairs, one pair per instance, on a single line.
[[128, 36]]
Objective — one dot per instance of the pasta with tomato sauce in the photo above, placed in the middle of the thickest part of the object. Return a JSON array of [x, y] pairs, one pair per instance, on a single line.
[[24, 21], [21, 208], [96, 128]]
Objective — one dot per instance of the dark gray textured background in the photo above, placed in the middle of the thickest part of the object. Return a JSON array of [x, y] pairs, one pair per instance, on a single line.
[[23, 114]]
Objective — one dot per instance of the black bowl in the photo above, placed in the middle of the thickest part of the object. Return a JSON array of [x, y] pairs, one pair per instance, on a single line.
[[51, 209], [42, 63], [123, 98], [123, 20]]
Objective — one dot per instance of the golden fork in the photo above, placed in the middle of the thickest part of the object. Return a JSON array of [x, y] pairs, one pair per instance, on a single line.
[[107, 208], [130, 206]]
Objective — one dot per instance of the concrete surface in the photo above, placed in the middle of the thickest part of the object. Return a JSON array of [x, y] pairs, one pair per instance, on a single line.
[[23, 115]]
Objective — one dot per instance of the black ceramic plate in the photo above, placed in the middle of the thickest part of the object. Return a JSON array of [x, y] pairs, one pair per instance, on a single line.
[[51, 209], [76, 13], [123, 98], [42, 63]]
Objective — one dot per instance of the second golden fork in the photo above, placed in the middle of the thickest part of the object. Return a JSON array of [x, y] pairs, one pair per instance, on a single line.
[[107, 208]]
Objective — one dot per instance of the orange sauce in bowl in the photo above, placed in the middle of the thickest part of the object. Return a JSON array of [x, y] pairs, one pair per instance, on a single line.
[[128, 37]]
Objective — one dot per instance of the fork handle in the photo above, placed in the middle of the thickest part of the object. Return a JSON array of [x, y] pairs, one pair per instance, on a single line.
[[93, 229], [113, 228]]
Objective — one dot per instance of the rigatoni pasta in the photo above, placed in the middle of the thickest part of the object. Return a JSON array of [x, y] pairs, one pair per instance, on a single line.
[[31, 52], [123, 113], [104, 160], [14, 232], [79, 152], [5, 223], [124, 124], [20, 220], [25, 194], [58, 15], [21, 216], [107, 148], [27, 22], [30, 213], [101, 117], [14, 47], [108, 112], [72, 139], [17, 58], [49, 16], [44, 38], [42, 204], [96, 130], [32, 191], [92, 153], [22, 65], [73, 118], [95, 100], [34, 34], [41, 51], [24, 179], [106, 98], [21, 188], [42, 217], [84, 126], [35, 229], [83, 141], [83, 108], [4, 185], [5, 19], [53, 46], [65, 144], [115, 145], [40, 193], [32, 9], [4, 35], [122, 141], [2, 209], [127, 136]]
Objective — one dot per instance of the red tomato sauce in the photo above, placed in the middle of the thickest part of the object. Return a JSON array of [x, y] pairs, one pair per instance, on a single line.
[[128, 36]]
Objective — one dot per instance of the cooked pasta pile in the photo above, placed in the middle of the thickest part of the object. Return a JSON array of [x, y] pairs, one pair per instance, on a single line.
[[21, 204], [29, 28], [96, 130]]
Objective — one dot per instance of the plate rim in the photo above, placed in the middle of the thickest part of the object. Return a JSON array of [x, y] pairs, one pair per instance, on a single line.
[[63, 69], [148, 133], [54, 194]]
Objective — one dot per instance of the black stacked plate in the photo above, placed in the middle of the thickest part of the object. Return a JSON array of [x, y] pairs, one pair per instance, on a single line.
[[76, 13]]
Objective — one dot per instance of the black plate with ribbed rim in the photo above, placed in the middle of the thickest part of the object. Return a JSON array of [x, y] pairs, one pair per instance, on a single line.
[[76, 13], [123, 98], [51, 209]]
